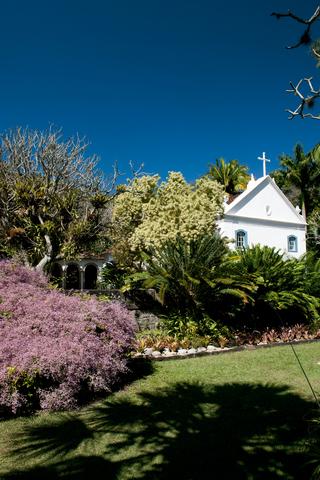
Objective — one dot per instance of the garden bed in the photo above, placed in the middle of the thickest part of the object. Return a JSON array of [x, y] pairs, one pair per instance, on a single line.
[[211, 350]]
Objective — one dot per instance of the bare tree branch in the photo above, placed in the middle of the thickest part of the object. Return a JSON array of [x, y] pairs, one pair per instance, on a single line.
[[62, 164], [309, 21], [315, 53], [304, 89], [138, 171], [305, 38], [306, 101], [109, 183]]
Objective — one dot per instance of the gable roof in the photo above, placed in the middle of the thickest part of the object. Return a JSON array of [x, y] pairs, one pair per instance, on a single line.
[[283, 210]]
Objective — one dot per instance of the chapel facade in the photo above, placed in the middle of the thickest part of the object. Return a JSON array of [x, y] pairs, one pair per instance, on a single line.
[[263, 215]]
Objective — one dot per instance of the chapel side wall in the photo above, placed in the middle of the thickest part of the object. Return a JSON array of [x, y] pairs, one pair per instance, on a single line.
[[270, 235]]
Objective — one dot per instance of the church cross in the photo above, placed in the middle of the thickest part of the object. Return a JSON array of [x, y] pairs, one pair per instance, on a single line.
[[265, 160]]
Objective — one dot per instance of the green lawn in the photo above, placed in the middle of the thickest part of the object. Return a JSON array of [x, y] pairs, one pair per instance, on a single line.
[[242, 415]]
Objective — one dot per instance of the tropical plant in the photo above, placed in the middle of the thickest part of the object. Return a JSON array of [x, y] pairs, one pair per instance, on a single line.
[[278, 292], [310, 272], [112, 276], [273, 335], [162, 341], [232, 176], [56, 351], [299, 177], [313, 231], [190, 277], [205, 328]]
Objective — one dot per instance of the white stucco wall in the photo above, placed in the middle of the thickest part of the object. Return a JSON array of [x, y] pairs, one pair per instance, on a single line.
[[265, 203], [82, 264], [264, 232]]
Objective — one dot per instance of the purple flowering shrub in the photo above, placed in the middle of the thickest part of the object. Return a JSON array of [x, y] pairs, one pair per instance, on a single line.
[[56, 350]]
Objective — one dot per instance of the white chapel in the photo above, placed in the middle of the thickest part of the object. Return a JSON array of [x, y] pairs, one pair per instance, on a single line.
[[263, 215]]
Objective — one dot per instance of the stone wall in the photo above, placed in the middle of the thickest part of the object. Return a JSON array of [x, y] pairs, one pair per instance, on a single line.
[[145, 319]]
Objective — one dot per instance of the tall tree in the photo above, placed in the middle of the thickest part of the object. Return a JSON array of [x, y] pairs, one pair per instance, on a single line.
[[232, 176], [53, 201], [148, 214], [299, 177]]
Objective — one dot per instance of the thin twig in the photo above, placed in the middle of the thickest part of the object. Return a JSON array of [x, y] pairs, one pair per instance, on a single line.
[[305, 37]]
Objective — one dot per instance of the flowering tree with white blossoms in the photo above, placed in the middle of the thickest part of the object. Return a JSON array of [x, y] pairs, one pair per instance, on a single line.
[[148, 214]]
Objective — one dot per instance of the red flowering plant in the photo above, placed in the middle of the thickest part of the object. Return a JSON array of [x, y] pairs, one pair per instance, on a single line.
[[56, 350]]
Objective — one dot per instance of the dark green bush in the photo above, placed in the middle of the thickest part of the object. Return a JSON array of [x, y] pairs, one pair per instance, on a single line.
[[187, 327], [112, 276], [190, 279], [281, 293]]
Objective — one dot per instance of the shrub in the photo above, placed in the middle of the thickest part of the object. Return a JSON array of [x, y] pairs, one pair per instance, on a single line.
[[190, 278], [273, 335], [281, 292], [55, 350], [184, 332], [186, 327], [160, 341], [112, 276]]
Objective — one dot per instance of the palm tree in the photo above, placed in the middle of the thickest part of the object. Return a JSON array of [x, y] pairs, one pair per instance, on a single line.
[[299, 176], [233, 176]]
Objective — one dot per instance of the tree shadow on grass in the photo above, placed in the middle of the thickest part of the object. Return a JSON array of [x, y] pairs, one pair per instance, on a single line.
[[186, 431]]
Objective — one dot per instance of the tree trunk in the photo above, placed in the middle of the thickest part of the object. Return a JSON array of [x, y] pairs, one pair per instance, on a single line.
[[43, 262], [48, 255]]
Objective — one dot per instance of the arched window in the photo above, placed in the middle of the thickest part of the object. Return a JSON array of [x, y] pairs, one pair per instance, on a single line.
[[90, 277], [292, 244], [241, 239]]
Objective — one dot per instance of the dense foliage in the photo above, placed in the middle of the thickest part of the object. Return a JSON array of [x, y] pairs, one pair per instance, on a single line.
[[204, 287], [147, 215], [231, 175], [280, 292], [299, 176], [53, 201], [111, 276], [189, 277], [185, 334], [55, 350]]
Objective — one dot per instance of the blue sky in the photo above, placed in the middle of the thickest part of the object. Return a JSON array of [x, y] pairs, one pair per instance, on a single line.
[[173, 84]]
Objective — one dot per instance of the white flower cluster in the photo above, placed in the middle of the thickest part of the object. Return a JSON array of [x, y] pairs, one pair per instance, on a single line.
[[148, 214]]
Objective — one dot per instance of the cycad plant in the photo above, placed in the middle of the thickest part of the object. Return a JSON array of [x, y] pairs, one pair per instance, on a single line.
[[279, 294], [310, 270], [190, 277]]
